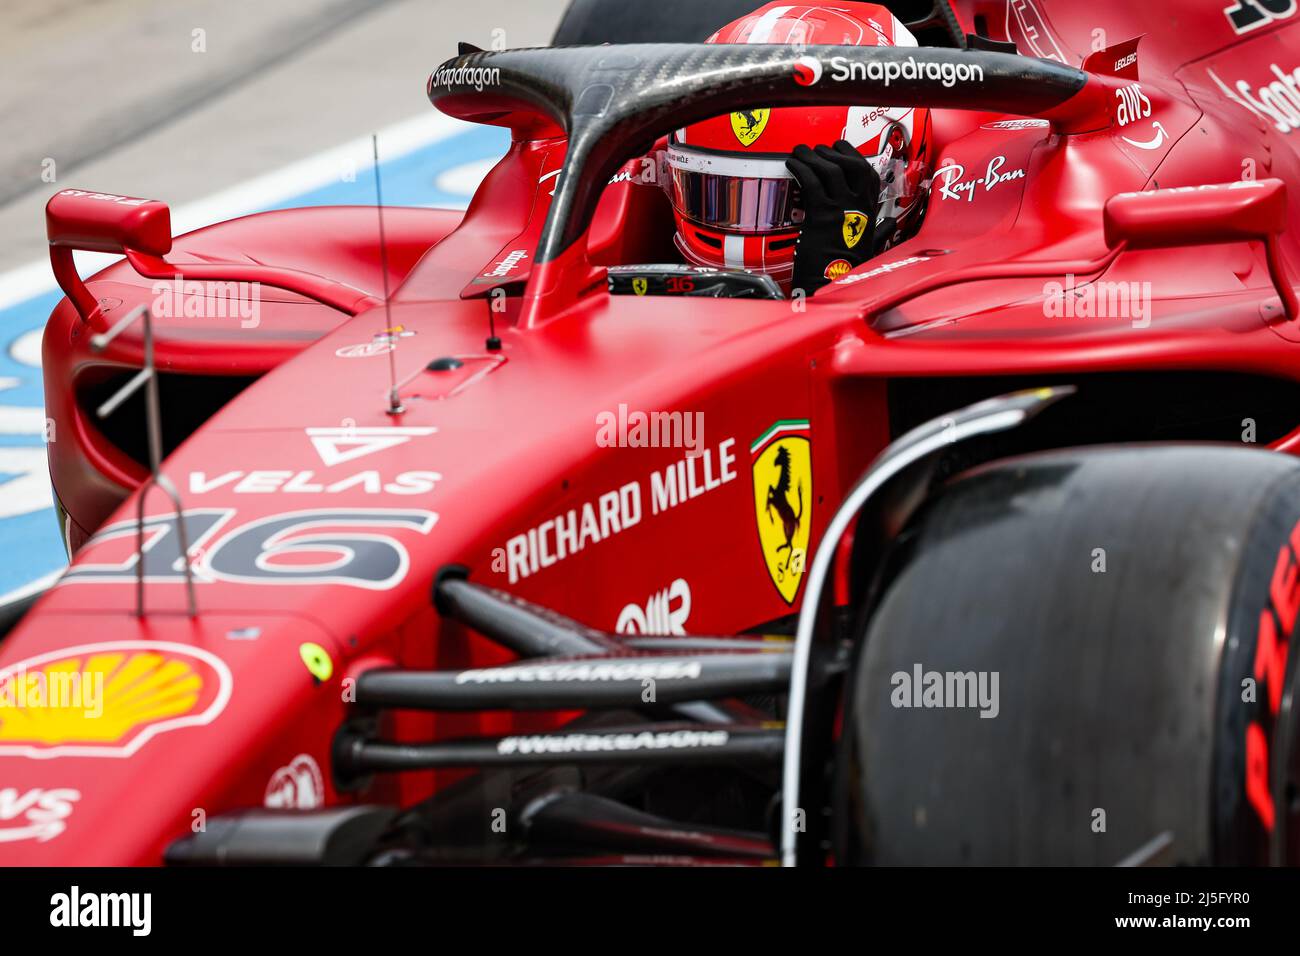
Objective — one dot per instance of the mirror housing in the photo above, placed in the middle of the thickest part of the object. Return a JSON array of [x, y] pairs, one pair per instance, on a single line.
[[1254, 210], [1197, 215], [101, 222]]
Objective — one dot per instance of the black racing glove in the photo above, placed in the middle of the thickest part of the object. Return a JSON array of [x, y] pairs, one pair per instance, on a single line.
[[840, 193]]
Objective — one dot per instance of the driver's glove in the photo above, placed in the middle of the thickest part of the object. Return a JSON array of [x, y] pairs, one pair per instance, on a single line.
[[840, 193]]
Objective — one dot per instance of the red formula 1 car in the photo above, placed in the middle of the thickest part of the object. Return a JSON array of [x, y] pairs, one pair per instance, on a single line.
[[505, 537]]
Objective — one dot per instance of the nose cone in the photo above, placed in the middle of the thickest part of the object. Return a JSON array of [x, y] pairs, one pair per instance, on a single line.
[[117, 736]]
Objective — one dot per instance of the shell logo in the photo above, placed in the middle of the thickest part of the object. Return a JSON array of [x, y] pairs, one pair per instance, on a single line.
[[838, 268], [109, 699]]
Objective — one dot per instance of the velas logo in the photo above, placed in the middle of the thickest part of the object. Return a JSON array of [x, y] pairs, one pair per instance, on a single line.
[[337, 445], [807, 70], [150, 688], [782, 463]]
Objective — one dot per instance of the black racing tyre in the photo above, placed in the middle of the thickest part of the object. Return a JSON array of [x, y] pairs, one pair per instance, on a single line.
[[589, 22], [13, 612], [1143, 706]]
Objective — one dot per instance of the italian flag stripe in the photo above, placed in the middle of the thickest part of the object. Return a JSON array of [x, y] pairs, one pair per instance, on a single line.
[[783, 427]]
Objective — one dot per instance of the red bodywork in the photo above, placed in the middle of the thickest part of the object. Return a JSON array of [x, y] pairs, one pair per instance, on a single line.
[[209, 713]]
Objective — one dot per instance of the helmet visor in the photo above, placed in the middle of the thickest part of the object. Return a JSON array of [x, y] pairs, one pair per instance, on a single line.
[[742, 195]]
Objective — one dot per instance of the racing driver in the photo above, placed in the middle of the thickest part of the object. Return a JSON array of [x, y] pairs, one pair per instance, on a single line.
[[802, 194]]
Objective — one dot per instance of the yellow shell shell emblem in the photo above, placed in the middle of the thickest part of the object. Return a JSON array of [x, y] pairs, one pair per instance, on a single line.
[[748, 125], [839, 267], [108, 699], [855, 227], [783, 494]]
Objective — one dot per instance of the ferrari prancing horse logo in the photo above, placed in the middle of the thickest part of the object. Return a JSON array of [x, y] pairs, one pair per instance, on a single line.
[[855, 225], [640, 285], [782, 463], [748, 125]]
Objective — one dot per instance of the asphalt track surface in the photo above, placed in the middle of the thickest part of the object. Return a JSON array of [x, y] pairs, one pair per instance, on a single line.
[[277, 111]]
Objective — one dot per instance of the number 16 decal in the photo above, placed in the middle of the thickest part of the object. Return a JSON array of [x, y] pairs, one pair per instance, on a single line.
[[299, 547], [1247, 15]]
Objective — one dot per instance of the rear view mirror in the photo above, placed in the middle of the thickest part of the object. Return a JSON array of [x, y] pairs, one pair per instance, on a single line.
[[1197, 215], [1206, 215], [101, 222]]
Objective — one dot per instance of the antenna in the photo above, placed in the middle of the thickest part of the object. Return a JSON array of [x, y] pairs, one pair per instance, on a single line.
[[394, 400], [148, 377], [493, 343]]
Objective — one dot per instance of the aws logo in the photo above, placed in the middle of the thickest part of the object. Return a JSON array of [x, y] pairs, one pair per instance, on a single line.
[[782, 466], [748, 125]]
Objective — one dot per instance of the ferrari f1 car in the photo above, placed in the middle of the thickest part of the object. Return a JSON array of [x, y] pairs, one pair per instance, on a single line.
[[988, 553]]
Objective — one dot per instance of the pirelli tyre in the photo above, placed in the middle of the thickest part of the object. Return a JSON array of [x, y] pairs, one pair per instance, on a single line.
[[1081, 657]]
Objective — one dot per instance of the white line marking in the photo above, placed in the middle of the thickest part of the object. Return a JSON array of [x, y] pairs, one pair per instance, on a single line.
[[733, 251], [33, 587], [29, 490], [26, 282]]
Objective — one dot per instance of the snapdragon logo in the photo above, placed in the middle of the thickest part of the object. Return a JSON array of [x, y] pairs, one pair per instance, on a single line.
[[1276, 102], [475, 76], [807, 70], [881, 270], [507, 264], [946, 689], [131, 910], [1098, 300], [949, 74]]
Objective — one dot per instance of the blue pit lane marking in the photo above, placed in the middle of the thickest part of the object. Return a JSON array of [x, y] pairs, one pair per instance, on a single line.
[[30, 541]]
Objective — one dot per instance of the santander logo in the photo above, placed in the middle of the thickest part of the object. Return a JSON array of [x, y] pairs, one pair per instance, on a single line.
[[807, 70]]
